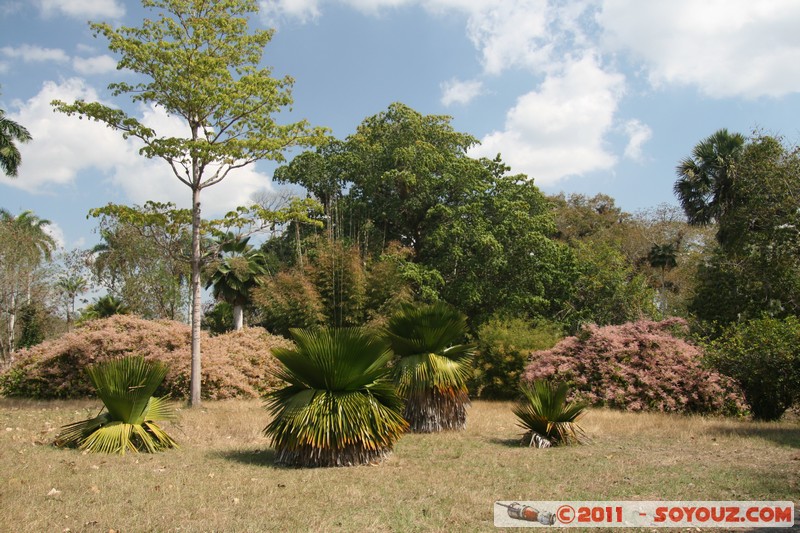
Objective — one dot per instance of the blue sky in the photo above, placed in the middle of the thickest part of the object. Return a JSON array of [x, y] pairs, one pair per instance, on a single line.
[[581, 95]]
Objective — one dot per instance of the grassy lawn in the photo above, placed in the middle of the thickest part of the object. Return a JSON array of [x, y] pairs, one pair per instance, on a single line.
[[222, 477]]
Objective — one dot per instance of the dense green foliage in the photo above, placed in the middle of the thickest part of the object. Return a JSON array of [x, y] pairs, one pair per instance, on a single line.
[[546, 416], [503, 346], [129, 422], [339, 408], [756, 267], [478, 237], [763, 357]]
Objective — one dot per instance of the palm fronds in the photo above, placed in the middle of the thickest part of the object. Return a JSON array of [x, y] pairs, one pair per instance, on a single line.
[[125, 386], [431, 371], [546, 415], [339, 408]]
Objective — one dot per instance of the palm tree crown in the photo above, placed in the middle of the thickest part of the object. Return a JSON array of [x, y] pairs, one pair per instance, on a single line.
[[11, 132], [431, 370], [236, 274], [705, 179], [339, 408], [125, 385]]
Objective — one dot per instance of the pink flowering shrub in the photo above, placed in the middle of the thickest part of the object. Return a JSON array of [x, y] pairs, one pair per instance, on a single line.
[[638, 366], [236, 364]]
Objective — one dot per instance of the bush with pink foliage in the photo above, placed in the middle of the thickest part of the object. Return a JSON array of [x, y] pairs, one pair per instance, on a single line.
[[638, 366], [236, 364]]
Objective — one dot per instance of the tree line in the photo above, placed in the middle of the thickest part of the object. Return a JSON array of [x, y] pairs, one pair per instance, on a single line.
[[397, 212]]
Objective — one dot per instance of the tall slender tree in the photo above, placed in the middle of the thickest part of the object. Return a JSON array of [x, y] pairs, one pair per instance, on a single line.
[[197, 60], [71, 287]]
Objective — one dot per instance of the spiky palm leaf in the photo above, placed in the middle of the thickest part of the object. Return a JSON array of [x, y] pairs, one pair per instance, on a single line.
[[125, 386], [546, 416], [340, 408], [431, 371]]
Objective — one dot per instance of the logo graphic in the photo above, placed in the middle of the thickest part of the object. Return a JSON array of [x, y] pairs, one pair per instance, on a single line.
[[525, 512]]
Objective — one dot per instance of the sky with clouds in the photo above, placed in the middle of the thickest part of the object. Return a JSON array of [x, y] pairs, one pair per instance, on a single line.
[[582, 96]]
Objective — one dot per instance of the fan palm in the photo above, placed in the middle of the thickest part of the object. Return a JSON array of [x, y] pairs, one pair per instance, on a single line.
[[104, 307], [705, 179], [236, 274], [431, 370], [546, 416], [339, 407], [125, 386]]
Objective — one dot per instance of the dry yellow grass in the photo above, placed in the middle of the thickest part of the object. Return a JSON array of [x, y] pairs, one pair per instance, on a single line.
[[222, 477]]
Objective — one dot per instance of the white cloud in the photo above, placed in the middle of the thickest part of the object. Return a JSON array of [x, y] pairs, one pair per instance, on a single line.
[[725, 48], [82, 9], [55, 231], [302, 10], [460, 92], [638, 134], [511, 34], [63, 146], [557, 131], [65, 149], [32, 54], [94, 65]]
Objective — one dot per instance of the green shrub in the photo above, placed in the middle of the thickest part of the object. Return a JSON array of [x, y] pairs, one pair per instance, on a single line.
[[503, 347], [763, 357]]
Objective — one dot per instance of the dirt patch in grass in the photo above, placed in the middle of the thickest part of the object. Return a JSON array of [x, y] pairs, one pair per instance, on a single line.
[[222, 478]]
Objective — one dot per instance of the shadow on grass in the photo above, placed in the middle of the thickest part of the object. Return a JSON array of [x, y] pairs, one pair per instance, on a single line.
[[259, 457], [783, 436], [508, 443]]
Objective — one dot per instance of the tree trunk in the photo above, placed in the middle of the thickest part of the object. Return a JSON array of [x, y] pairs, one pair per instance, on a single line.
[[12, 322], [297, 239], [194, 395], [238, 317]]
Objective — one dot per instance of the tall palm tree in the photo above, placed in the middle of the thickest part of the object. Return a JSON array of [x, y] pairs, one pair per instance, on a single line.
[[11, 132], [72, 286], [236, 274], [31, 231], [705, 179], [340, 407], [26, 245], [431, 370]]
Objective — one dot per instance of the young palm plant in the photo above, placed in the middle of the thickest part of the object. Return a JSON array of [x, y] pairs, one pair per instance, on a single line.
[[547, 417], [340, 407], [128, 422], [431, 370]]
